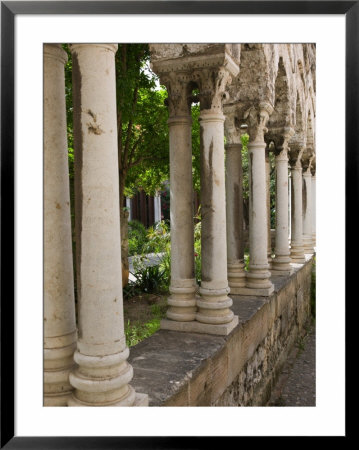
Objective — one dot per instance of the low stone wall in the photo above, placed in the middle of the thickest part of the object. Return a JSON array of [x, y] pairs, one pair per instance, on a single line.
[[189, 369]]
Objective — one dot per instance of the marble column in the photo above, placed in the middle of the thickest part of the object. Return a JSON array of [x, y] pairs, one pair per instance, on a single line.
[[214, 305], [307, 208], [258, 277], [269, 251], [281, 261], [103, 374], [59, 304], [313, 206], [296, 245], [182, 302], [234, 208]]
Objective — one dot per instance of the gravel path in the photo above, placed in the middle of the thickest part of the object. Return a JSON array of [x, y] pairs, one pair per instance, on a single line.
[[296, 383]]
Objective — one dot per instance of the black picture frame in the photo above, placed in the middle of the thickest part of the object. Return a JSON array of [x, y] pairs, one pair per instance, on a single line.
[[9, 9]]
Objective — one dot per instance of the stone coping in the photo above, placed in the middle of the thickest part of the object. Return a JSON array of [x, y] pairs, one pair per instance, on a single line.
[[165, 363]]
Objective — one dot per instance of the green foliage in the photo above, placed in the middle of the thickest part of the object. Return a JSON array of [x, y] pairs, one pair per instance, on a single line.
[[196, 160], [197, 250], [142, 122], [137, 332], [157, 238], [149, 279], [136, 237]]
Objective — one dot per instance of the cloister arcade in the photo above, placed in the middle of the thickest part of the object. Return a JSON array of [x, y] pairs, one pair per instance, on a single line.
[[264, 90]]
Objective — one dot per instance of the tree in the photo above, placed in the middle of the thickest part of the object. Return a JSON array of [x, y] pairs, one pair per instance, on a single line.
[[143, 153]]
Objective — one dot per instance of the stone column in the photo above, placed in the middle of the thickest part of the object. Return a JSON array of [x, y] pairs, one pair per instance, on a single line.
[[182, 302], [258, 277], [307, 208], [313, 205], [234, 207], [281, 262], [103, 374], [59, 303], [269, 251], [296, 246], [214, 305]]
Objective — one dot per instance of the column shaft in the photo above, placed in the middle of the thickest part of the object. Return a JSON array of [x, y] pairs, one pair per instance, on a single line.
[[268, 207], [258, 275], [59, 304], [234, 217], [214, 305], [297, 251], [281, 261], [103, 373], [314, 209], [182, 302], [307, 212]]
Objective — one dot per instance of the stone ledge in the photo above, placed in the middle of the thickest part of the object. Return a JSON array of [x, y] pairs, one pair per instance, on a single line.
[[192, 369]]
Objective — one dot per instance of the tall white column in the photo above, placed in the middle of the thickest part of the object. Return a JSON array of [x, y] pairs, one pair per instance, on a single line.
[[214, 305], [307, 210], [281, 260], [103, 374], [59, 303], [269, 243], [314, 208], [296, 244], [182, 302], [258, 276], [234, 207], [157, 206]]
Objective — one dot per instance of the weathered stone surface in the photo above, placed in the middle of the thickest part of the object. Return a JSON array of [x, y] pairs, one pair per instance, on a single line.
[[180, 369]]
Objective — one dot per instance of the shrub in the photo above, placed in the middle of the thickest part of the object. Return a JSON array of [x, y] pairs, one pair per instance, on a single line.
[[136, 237]]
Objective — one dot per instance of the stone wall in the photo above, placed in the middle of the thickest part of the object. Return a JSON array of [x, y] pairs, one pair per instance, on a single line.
[[189, 369]]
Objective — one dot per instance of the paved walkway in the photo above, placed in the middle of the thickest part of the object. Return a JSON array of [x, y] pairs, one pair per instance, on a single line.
[[296, 383]]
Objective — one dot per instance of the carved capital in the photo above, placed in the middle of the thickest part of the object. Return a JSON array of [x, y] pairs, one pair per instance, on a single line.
[[257, 118], [178, 88], [232, 129], [295, 157], [307, 159], [280, 137], [213, 84]]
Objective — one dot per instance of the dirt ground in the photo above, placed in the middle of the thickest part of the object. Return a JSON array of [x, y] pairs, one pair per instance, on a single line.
[[140, 309]]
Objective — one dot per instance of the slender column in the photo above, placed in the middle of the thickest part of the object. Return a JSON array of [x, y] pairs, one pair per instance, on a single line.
[[269, 251], [103, 374], [296, 246], [214, 305], [157, 204], [258, 282], [234, 208], [314, 208], [59, 304], [307, 210], [281, 261], [182, 302]]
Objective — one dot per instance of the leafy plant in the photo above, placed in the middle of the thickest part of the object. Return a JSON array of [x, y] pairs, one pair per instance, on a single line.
[[149, 279]]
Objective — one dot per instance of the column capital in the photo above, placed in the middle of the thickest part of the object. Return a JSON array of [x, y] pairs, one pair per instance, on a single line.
[[179, 93], [295, 157], [256, 117], [280, 136], [55, 51], [213, 84]]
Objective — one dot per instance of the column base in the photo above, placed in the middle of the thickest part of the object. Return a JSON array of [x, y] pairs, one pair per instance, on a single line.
[[57, 399], [140, 400], [198, 327], [259, 292]]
